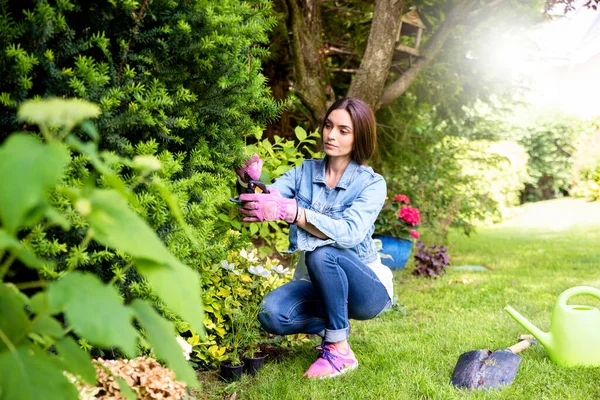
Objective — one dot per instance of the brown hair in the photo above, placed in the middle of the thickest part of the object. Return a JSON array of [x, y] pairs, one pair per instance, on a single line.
[[364, 127]]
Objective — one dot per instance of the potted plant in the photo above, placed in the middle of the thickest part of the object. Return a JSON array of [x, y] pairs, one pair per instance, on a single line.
[[232, 367], [251, 337], [396, 228], [252, 357]]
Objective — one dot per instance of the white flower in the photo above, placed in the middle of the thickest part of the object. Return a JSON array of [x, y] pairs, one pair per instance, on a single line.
[[248, 256], [227, 266], [260, 271], [185, 346], [280, 270]]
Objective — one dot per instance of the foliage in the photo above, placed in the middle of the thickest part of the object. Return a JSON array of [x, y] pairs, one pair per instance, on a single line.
[[398, 219], [549, 5], [78, 304], [585, 176], [550, 140], [232, 293], [279, 156], [177, 81], [500, 168], [422, 156], [431, 261], [180, 80]]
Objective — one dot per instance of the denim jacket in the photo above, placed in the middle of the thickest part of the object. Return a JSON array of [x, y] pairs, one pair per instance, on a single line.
[[346, 213]]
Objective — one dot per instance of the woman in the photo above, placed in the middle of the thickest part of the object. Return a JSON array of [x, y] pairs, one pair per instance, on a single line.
[[331, 205]]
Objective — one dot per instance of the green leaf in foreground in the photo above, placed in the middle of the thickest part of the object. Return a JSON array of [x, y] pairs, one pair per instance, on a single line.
[[88, 304], [75, 360], [46, 325], [117, 226], [30, 374], [7, 241], [179, 287], [29, 168], [13, 319], [126, 391], [160, 334]]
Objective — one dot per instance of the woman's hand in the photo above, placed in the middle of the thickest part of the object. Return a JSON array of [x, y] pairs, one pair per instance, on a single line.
[[251, 169], [259, 207]]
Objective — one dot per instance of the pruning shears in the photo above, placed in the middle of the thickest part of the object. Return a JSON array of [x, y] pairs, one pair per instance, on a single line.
[[254, 186]]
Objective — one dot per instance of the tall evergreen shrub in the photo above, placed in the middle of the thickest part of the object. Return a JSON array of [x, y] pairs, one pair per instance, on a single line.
[[180, 80]]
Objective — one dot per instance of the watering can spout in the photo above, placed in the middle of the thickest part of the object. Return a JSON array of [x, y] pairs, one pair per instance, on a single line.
[[544, 338]]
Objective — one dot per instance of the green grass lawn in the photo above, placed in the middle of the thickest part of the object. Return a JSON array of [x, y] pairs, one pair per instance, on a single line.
[[410, 352]]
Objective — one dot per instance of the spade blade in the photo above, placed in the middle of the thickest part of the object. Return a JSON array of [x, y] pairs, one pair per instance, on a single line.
[[479, 369]]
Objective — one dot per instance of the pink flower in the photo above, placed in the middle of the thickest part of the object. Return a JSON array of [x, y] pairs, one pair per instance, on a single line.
[[402, 198], [414, 234], [410, 215]]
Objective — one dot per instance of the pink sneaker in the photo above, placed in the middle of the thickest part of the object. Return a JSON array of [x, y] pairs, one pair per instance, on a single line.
[[331, 362]]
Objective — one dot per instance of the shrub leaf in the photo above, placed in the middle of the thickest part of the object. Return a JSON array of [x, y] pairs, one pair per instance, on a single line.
[[29, 168], [13, 319], [80, 295], [160, 333], [30, 374], [75, 360], [179, 287]]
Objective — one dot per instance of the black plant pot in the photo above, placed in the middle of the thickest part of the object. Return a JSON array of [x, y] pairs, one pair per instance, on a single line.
[[253, 364], [230, 373]]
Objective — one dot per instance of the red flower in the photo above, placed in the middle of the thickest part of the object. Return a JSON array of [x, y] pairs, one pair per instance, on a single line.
[[414, 234], [410, 215], [402, 198]]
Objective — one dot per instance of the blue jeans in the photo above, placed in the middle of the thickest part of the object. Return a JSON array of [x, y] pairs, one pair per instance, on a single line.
[[341, 287]]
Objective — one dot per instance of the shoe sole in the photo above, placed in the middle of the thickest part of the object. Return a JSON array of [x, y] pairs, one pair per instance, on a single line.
[[343, 371]]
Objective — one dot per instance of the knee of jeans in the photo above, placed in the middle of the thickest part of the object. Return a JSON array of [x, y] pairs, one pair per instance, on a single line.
[[316, 257], [269, 317]]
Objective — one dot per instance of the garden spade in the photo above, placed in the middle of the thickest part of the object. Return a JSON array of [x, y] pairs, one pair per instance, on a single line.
[[483, 369]]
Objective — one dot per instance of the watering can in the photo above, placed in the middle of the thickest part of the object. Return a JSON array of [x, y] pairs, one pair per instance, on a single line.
[[574, 337]]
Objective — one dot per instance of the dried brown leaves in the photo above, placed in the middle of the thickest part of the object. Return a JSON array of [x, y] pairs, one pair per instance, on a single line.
[[145, 376]]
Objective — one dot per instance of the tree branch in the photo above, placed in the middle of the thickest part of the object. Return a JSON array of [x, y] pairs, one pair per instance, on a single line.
[[369, 81], [484, 8], [434, 45]]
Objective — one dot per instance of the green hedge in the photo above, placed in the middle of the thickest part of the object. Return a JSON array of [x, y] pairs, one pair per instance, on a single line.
[[178, 80]]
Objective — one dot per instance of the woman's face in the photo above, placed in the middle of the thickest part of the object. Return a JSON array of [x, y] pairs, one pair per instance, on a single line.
[[338, 134]]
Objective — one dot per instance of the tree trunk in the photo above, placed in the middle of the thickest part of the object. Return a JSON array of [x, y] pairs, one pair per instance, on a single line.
[[311, 83], [369, 81]]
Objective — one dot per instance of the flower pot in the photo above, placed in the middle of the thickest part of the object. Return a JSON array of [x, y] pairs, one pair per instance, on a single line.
[[253, 364], [230, 373], [398, 249]]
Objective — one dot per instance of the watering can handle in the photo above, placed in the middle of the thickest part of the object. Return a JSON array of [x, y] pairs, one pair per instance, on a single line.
[[564, 297]]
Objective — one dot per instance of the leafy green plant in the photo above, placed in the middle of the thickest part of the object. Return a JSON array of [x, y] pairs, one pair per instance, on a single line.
[[550, 143], [279, 157], [585, 176], [180, 82], [236, 285], [79, 305]]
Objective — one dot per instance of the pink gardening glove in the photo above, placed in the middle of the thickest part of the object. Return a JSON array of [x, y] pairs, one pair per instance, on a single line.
[[259, 207], [251, 169]]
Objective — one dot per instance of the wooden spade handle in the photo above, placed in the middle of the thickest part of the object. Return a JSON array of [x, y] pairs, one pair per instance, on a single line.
[[526, 337], [522, 345]]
